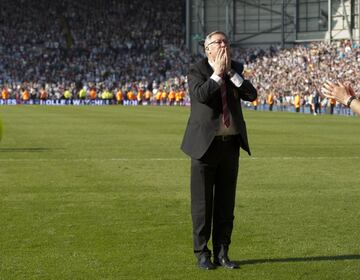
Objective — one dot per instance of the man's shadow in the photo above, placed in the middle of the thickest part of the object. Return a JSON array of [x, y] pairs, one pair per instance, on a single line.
[[306, 259]]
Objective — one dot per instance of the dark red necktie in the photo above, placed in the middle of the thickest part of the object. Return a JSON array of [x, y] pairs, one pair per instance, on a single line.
[[226, 114]]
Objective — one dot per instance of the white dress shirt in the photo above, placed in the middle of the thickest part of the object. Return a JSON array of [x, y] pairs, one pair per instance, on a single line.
[[237, 80]]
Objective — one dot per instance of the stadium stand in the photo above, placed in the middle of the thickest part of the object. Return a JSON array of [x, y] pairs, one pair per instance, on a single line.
[[65, 45], [302, 70], [96, 49]]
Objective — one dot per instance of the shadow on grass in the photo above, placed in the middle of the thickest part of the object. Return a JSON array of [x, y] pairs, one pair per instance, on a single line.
[[307, 259], [21, 150]]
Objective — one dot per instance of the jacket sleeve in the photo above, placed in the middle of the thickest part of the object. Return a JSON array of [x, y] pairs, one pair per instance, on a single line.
[[201, 87], [246, 91]]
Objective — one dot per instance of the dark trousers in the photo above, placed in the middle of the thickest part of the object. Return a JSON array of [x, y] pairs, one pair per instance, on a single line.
[[332, 106], [213, 189]]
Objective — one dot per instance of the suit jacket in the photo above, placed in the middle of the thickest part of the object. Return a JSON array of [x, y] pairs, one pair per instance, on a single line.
[[206, 107]]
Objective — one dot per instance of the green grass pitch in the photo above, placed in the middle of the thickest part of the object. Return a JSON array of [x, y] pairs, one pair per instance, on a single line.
[[103, 193]]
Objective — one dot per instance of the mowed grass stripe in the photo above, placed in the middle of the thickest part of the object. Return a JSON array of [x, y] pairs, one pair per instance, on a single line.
[[171, 159]]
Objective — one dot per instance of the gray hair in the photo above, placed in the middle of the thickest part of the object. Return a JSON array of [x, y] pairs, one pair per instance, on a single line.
[[208, 37]]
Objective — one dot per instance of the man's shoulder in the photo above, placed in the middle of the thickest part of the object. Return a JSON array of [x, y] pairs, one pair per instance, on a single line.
[[201, 68], [200, 64], [237, 66]]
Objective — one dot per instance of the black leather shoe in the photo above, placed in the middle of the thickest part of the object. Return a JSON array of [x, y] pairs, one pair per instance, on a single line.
[[205, 263], [225, 262]]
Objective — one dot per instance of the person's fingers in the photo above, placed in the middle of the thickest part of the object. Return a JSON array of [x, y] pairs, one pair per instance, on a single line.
[[218, 55], [227, 51], [346, 89], [220, 52], [227, 58], [341, 83], [351, 90], [223, 52], [330, 83], [327, 96], [328, 87], [325, 91]]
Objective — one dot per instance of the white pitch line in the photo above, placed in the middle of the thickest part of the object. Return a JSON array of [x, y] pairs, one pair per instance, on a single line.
[[163, 159], [92, 159], [294, 158]]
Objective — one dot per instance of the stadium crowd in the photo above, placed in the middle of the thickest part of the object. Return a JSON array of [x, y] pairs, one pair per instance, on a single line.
[[99, 46], [134, 50], [292, 78]]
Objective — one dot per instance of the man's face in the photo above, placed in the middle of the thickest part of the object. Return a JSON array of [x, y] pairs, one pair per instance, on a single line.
[[216, 42]]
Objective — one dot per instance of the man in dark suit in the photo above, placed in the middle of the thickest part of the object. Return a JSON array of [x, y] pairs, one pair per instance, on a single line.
[[215, 132]]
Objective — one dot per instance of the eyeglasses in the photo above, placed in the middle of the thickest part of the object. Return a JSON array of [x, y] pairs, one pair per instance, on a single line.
[[218, 42]]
